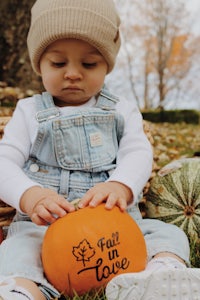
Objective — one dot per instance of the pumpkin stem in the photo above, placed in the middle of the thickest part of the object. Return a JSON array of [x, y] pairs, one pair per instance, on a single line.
[[75, 202], [189, 211]]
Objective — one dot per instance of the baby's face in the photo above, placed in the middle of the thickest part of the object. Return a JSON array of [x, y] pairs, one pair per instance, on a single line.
[[72, 71]]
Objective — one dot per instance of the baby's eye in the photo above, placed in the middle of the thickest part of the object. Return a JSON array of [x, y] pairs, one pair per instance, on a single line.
[[89, 65], [58, 64]]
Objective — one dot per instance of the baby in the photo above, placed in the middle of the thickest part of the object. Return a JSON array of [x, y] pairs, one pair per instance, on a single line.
[[77, 140]]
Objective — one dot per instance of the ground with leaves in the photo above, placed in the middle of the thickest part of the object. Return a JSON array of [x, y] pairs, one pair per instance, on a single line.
[[170, 142], [174, 141]]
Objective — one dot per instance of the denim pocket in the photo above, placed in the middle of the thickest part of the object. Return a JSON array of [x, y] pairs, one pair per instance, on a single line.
[[85, 142]]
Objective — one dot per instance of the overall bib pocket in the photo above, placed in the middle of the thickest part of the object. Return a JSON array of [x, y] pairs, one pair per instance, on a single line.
[[85, 142]]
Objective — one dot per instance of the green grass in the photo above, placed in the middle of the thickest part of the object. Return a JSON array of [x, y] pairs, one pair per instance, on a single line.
[[88, 296]]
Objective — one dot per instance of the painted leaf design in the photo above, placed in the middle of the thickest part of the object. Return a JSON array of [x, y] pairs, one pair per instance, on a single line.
[[83, 252]]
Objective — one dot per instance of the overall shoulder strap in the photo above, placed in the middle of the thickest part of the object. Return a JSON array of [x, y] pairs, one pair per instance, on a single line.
[[106, 100], [45, 107]]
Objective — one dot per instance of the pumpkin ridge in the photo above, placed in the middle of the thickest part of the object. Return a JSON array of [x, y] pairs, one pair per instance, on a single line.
[[178, 222], [185, 225], [171, 187], [170, 218], [196, 191], [156, 198], [166, 203], [197, 224], [185, 185]]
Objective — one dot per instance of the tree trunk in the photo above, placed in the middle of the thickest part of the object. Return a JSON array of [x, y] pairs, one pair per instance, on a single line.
[[15, 65]]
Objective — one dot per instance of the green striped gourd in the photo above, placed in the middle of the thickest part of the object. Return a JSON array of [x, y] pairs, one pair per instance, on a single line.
[[174, 195]]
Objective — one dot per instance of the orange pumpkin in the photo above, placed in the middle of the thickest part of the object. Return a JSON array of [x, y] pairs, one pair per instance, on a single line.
[[85, 249]]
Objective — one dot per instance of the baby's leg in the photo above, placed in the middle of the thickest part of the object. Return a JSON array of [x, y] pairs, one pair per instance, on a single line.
[[21, 263], [31, 287], [20, 289]]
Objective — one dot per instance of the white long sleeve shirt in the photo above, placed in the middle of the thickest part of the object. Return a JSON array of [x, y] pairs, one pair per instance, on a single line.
[[134, 159]]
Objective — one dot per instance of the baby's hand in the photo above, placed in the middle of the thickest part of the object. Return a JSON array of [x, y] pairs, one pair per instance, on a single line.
[[44, 206], [111, 192]]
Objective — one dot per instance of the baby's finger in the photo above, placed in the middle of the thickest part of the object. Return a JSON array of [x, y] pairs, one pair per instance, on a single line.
[[97, 199], [38, 220], [122, 204], [85, 200], [111, 201], [66, 206], [48, 215]]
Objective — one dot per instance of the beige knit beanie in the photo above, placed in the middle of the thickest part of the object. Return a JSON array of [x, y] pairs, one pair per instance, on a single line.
[[93, 21]]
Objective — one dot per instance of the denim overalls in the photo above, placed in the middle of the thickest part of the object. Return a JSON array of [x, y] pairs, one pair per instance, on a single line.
[[71, 154]]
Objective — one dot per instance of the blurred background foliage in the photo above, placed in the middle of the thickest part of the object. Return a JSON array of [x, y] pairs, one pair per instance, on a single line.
[[158, 65], [15, 68]]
